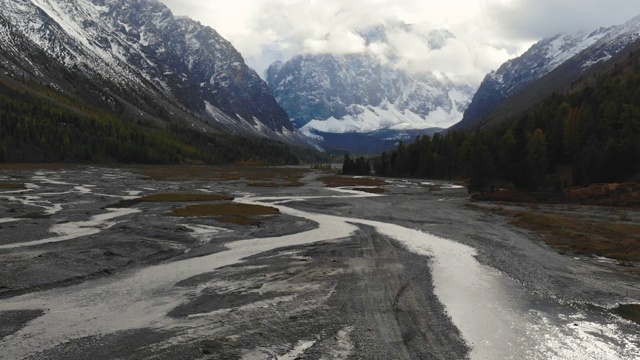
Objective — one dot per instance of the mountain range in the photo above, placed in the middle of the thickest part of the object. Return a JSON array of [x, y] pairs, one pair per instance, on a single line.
[[136, 58], [362, 101], [555, 64]]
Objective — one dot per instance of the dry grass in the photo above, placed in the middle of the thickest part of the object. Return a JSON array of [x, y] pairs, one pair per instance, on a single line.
[[252, 163], [374, 190], [613, 194], [26, 166], [225, 173], [12, 186], [325, 167], [275, 184], [226, 209], [584, 236], [177, 197], [238, 220], [232, 213], [433, 187], [186, 173], [340, 181]]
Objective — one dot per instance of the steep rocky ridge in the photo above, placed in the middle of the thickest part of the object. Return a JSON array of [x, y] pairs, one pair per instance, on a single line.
[[561, 61], [137, 58], [362, 94]]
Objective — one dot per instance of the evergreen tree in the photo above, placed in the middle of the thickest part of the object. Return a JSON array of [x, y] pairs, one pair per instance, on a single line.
[[537, 163], [382, 165], [508, 156], [481, 169], [348, 165]]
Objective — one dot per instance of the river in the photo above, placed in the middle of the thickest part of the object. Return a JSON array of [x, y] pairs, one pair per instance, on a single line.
[[496, 315]]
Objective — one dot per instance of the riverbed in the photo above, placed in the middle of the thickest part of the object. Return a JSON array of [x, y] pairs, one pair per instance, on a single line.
[[338, 274]]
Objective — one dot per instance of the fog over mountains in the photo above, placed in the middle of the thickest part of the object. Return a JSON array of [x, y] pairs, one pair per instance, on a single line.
[[369, 92]]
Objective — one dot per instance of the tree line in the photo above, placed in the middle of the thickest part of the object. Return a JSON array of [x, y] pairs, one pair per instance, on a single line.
[[60, 129], [589, 136]]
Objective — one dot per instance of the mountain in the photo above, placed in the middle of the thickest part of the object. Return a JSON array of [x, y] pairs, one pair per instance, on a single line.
[[348, 96], [560, 61], [136, 58]]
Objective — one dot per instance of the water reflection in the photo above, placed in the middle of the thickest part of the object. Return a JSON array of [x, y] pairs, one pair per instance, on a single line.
[[495, 314]]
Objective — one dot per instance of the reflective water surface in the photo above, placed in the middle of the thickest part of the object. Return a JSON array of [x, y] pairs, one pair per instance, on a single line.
[[495, 314]]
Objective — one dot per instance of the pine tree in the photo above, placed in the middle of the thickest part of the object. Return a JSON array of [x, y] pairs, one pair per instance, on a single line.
[[537, 162]]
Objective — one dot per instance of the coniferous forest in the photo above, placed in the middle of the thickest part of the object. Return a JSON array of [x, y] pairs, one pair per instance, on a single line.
[[42, 125], [589, 136]]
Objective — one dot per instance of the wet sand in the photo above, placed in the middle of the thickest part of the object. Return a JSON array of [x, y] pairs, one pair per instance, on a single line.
[[412, 274]]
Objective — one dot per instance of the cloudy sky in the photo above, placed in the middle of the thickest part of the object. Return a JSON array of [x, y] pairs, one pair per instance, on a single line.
[[487, 32]]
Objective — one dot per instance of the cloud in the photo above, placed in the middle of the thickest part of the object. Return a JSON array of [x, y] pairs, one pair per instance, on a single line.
[[488, 32], [464, 61], [535, 19]]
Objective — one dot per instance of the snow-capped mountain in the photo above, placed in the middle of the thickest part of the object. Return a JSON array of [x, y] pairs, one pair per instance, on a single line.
[[362, 93], [136, 57], [583, 50]]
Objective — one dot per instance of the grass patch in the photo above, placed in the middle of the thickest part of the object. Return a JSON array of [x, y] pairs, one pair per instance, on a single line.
[[340, 181], [613, 194], [629, 312], [238, 220], [324, 167], [184, 197], [28, 166], [226, 209], [373, 190], [433, 187], [584, 236], [12, 186], [231, 213], [274, 184], [257, 174], [186, 173]]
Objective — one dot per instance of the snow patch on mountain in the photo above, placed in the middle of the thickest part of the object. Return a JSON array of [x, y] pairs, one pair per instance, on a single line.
[[546, 56], [364, 93], [365, 119], [138, 56], [565, 47]]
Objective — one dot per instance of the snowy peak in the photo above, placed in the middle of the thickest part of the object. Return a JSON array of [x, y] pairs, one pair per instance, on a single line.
[[135, 55], [320, 87], [366, 92], [586, 49]]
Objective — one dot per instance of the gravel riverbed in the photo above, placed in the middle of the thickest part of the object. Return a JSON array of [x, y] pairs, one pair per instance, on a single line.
[[86, 271]]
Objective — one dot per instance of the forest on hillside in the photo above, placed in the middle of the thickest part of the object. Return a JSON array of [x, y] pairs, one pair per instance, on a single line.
[[50, 127], [589, 136]]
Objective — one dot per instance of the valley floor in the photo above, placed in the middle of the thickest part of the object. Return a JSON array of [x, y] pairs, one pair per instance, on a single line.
[[87, 270]]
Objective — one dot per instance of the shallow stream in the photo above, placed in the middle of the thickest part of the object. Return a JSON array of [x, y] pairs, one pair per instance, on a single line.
[[496, 316]]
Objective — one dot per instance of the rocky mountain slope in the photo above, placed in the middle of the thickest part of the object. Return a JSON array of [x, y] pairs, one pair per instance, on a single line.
[[575, 54], [137, 58], [360, 94]]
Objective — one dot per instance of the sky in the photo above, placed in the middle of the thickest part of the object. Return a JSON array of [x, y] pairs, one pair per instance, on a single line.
[[487, 32]]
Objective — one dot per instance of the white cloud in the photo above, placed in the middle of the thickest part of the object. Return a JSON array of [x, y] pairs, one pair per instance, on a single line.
[[488, 32], [535, 19], [339, 41]]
